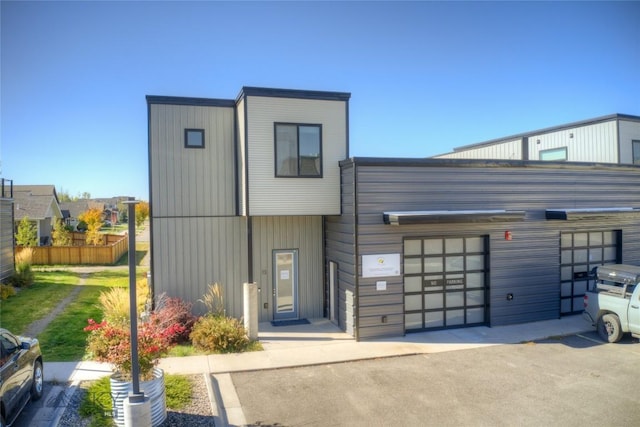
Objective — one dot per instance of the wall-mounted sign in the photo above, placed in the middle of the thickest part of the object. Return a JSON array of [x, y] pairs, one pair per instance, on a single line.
[[381, 285], [382, 265]]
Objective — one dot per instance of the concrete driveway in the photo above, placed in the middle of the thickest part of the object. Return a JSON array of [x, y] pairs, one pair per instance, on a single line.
[[570, 381]]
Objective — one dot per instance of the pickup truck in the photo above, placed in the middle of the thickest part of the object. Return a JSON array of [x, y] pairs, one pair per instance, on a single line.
[[612, 305]]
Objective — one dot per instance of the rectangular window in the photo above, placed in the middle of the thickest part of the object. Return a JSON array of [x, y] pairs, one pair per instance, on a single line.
[[554, 154], [636, 152], [194, 138], [298, 150]]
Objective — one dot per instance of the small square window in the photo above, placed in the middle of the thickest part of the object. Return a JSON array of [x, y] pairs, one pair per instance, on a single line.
[[194, 138]]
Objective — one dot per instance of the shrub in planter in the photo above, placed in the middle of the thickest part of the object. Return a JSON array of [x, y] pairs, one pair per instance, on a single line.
[[219, 334], [111, 343]]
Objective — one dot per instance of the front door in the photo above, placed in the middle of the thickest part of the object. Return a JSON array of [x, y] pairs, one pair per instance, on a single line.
[[285, 284]]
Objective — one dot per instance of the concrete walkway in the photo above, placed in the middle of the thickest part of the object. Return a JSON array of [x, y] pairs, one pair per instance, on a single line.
[[321, 342]]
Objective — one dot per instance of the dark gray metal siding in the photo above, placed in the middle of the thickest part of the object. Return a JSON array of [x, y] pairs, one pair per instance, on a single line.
[[527, 266], [6, 238], [340, 247]]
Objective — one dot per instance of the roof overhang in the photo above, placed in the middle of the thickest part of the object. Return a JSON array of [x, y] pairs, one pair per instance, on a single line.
[[435, 217], [592, 213]]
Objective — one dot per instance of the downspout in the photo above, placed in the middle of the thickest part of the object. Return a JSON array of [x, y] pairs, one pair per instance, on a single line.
[[356, 252], [151, 272], [246, 199]]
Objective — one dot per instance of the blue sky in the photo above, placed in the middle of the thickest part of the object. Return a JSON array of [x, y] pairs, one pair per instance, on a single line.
[[425, 77]]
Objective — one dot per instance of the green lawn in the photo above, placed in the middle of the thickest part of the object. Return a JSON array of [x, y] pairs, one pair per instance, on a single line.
[[36, 301], [141, 250], [64, 338]]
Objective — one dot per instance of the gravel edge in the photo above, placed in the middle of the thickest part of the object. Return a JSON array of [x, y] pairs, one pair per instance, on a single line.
[[196, 413]]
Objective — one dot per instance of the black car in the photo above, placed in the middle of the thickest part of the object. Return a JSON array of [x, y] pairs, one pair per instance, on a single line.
[[20, 374]]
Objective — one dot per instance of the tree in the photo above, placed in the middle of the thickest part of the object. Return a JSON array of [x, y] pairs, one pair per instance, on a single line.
[[142, 213], [63, 196], [122, 212], [61, 235], [27, 234], [93, 219]]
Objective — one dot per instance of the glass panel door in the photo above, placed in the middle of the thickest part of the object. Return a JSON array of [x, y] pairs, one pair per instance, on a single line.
[[285, 284]]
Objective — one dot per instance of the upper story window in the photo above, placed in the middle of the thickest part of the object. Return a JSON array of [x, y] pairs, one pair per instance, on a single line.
[[298, 150], [554, 154], [194, 138], [636, 151]]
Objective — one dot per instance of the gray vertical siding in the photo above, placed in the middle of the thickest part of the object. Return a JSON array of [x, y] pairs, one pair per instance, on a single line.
[[6, 238], [303, 233], [192, 181], [340, 247], [527, 266], [191, 253], [628, 131]]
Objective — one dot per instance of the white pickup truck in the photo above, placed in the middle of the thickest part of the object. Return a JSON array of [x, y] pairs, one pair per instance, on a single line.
[[613, 304]]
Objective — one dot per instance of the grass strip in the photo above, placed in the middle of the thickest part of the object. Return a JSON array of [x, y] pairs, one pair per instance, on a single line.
[[64, 339], [48, 289]]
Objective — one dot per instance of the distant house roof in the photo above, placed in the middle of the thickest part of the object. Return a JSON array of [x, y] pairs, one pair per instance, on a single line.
[[36, 202], [76, 208]]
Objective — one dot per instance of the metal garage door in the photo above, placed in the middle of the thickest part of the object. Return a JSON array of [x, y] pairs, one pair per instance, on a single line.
[[579, 253], [445, 282]]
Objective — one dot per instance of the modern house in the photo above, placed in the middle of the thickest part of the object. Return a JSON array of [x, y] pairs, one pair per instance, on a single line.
[[40, 204], [610, 139], [261, 189], [7, 259], [239, 190]]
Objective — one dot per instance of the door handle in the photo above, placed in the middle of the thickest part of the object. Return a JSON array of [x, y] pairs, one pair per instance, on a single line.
[[635, 306]]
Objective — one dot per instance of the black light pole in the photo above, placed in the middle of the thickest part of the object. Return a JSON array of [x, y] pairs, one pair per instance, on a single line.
[[135, 396]]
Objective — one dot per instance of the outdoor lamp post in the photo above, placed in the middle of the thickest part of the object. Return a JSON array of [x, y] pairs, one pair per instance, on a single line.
[[137, 409]]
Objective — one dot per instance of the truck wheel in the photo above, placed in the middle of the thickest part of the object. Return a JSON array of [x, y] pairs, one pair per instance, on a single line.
[[609, 328]]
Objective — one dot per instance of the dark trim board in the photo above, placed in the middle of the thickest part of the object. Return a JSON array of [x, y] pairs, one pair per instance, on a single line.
[[436, 217], [591, 213]]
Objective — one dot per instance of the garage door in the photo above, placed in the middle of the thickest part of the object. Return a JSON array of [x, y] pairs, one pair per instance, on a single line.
[[579, 253], [445, 282]]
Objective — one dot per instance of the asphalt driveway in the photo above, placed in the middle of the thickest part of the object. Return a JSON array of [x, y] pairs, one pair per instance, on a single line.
[[570, 381]]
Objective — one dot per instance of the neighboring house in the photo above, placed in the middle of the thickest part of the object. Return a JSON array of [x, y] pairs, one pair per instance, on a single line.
[[609, 139], [109, 207], [40, 204], [6, 229], [262, 189]]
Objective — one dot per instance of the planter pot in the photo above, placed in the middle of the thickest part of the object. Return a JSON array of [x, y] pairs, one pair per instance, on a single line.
[[153, 389]]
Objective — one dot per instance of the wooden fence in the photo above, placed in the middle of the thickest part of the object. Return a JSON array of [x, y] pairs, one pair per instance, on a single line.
[[115, 246]]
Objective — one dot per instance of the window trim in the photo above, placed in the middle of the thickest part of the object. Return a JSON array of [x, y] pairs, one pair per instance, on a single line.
[[550, 150], [186, 138], [275, 149]]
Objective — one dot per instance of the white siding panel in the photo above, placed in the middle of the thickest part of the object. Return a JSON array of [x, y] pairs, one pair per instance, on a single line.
[[591, 143], [242, 170], [189, 181], [508, 150], [269, 195], [629, 131], [191, 253]]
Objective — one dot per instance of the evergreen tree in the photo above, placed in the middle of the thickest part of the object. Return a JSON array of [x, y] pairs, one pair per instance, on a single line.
[[27, 234], [61, 235]]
